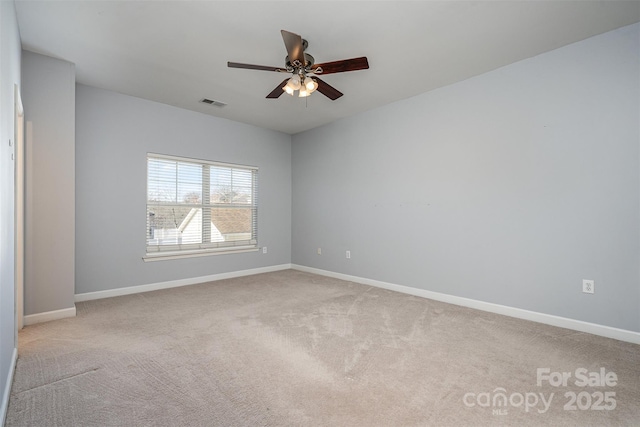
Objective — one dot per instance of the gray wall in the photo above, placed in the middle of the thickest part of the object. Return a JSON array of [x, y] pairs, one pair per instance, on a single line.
[[9, 76], [49, 103], [114, 134], [510, 187]]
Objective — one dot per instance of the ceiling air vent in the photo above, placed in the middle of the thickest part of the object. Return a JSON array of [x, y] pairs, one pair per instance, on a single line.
[[212, 102]]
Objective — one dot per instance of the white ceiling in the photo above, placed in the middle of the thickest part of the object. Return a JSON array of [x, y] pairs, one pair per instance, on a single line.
[[176, 52]]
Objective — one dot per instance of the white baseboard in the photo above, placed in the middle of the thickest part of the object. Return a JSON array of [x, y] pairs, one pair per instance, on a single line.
[[7, 387], [47, 316], [176, 283], [548, 319]]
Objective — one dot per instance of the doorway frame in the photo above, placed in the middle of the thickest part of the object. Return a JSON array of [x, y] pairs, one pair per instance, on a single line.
[[19, 203]]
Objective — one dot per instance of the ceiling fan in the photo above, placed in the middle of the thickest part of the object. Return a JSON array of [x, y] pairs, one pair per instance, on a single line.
[[304, 70]]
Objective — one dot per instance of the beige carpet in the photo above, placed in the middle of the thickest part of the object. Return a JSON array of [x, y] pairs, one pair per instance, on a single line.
[[295, 349]]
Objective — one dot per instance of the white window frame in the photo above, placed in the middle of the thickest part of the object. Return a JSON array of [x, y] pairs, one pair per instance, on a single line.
[[175, 251]]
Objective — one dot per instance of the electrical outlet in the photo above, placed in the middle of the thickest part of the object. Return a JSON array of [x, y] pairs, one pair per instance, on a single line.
[[264, 249], [588, 286], [319, 251], [348, 254]]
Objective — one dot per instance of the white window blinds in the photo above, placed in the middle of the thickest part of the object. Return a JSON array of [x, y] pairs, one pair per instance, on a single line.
[[199, 206]]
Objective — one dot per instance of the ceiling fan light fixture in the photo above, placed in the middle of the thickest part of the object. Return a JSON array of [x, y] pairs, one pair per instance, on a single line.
[[310, 84], [292, 85], [294, 82], [303, 92]]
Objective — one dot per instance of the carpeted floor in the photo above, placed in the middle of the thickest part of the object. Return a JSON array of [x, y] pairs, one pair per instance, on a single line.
[[290, 348]]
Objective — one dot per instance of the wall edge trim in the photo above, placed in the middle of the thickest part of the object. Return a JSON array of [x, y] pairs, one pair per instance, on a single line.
[[47, 316], [88, 296], [547, 319]]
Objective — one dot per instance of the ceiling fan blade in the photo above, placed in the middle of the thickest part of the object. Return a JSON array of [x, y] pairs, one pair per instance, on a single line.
[[343, 65], [293, 42], [278, 90], [255, 67], [327, 90]]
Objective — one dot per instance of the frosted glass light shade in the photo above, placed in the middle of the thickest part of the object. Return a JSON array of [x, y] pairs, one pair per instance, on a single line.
[[294, 82], [310, 84]]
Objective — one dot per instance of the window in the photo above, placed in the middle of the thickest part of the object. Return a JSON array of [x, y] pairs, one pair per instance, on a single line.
[[198, 207]]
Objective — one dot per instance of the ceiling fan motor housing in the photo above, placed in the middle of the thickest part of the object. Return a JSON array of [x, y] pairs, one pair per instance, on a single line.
[[308, 62]]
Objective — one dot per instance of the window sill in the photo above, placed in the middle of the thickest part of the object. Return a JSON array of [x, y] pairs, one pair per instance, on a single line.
[[164, 256]]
